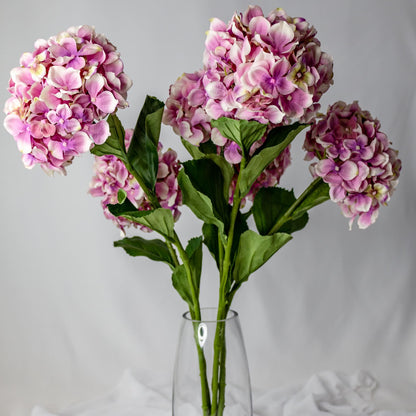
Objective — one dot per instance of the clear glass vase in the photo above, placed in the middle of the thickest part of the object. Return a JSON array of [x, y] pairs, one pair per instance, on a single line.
[[211, 375]]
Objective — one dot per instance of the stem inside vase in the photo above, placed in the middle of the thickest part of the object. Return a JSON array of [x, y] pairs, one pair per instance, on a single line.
[[211, 375]]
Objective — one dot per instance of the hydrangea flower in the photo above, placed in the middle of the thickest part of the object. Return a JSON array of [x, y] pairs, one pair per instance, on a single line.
[[355, 159], [60, 96], [269, 69], [111, 175]]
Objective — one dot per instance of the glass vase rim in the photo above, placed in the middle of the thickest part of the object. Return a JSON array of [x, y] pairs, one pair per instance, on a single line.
[[231, 314]]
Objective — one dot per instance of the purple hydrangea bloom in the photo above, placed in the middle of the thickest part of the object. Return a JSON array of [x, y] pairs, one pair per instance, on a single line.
[[265, 68], [60, 96], [355, 159], [111, 175]]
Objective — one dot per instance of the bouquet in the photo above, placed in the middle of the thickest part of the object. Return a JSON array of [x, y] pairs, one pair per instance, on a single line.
[[260, 85]]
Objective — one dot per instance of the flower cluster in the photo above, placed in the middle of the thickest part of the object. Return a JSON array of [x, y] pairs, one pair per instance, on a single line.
[[269, 69], [111, 175], [61, 94], [355, 159]]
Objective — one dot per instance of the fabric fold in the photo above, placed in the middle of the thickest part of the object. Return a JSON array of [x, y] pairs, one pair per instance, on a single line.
[[325, 393]]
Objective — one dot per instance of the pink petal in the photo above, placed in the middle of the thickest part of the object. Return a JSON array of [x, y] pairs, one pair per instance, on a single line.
[[196, 97], [21, 75], [63, 111], [99, 132], [14, 124], [56, 149], [113, 80], [90, 49], [94, 85], [232, 153], [65, 78], [162, 190], [284, 86], [20, 131], [214, 109], [106, 102], [163, 170], [80, 142], [216, 90], [273, 114], [39, 154], [72, 125], [217, 137], [282, 35], [366, 219], [196, 137], [260, 25], [323, 167], [28, 161], [41, 129], [363, 203], [348, 170], [77, 63], [337, 193], [257, 74], [48, 96]]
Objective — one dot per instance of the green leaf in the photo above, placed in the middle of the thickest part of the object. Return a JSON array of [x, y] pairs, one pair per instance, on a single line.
[[206, 177], [318, 194], [194, 252], [270, 204], [254, 250], [277, 140], [155, 249], [199, 203], [142, 154], [121, 195], [159, 220], [227, 172], [242, 132], [226, 169], [210, 233], [208, 148], [180, 283], [150, 118], [192, 149], [114, 145]]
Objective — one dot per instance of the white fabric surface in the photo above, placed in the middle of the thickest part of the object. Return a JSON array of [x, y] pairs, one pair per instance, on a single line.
[[327, 393]]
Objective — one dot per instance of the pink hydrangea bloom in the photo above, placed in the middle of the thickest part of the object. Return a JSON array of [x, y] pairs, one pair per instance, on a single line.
[[60, 96], [355, 159], [265, 68], [111, 175]]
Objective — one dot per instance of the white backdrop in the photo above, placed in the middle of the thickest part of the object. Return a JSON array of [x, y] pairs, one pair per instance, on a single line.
[[75, 312]]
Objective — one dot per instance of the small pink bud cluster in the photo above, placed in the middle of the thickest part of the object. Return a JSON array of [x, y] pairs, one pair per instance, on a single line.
[[111, 175], [269, 69], [355, 159], [61, 94]]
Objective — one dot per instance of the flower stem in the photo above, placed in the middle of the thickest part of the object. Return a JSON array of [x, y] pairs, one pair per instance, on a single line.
[[218, 369], [195, 312], [286, 216]]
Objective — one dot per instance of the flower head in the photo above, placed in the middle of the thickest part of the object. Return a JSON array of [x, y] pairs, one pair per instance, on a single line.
[[255, 67], [61, 94], [111, 176], [355, 159]]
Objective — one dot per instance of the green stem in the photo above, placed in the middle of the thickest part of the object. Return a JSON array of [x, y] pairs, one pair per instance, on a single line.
[[218, 373], [195, 312], [223, 369], [172, 253], [286, 216], [220, 252]]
